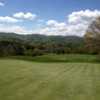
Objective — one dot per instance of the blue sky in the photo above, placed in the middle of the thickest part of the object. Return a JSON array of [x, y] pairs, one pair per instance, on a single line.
[[46, 14], [48, 9]]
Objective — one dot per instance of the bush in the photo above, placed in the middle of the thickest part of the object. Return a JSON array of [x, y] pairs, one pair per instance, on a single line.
[[37, 52]]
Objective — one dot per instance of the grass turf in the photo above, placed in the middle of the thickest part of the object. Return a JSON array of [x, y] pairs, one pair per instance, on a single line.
[[72, 58], [24, 80]]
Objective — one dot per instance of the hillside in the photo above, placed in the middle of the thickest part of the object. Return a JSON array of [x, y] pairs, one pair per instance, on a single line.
[[33, 38], [35, 44]]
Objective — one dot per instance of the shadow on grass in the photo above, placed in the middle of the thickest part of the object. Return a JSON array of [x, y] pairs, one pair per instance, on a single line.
[[67, 58]]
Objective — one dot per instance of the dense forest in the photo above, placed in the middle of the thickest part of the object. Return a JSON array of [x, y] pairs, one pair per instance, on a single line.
[[32, 45]]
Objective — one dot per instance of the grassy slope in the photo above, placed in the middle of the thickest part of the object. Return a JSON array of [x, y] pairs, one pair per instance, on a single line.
[[23, 80]]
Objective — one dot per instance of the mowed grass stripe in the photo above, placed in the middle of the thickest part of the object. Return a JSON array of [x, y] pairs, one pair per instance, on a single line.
[[18, 83], [55, 84], [86, 89], [50, 86], [49, 81], [96, 82], [23, 84], [60, 78], [41, 85]]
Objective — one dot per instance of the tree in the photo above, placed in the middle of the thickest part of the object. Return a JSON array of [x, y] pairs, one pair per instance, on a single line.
[[37, 52], [8, 48], [92, 36]]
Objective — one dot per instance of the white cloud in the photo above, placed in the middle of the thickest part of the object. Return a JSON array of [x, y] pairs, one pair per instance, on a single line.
[[79, 21], [18, 17], [14, 29], [51, 23], [53, 27], [83, 16], [7, 19], [76, 24], [26, 16], [2, 4]]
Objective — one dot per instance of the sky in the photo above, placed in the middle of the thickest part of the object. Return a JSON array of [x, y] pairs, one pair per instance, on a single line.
[[48, 17]]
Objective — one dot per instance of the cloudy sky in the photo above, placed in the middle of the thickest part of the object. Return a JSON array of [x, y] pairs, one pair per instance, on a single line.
[[49, 17]]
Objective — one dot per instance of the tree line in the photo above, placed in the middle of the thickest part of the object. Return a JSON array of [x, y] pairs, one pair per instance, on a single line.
[[33, 45]]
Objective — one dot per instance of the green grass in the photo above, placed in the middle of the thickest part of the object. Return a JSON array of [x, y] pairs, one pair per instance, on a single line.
[[26, 80], [60, 58]]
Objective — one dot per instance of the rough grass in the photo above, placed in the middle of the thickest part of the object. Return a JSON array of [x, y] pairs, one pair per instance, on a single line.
[[24, 80]]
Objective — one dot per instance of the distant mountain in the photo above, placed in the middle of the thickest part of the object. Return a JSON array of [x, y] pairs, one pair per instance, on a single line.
[[36, 38]]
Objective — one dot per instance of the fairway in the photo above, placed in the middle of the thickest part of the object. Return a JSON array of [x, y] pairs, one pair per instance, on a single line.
[[26, 80]]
